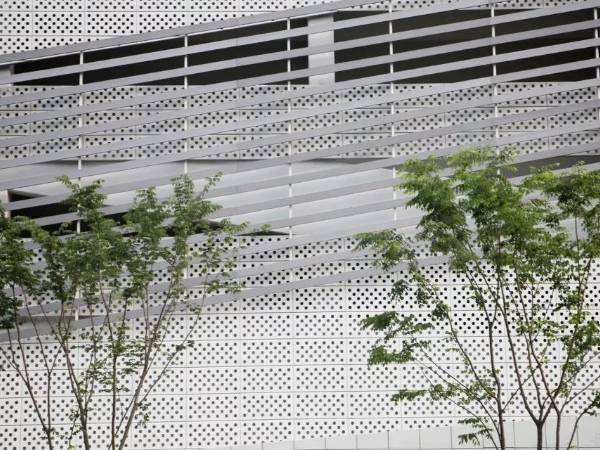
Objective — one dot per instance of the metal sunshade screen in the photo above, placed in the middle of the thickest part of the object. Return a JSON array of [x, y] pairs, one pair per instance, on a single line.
[[381, 117], [305, 111], [523, 78]]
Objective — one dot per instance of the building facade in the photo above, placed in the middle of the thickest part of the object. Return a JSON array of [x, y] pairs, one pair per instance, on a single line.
[[306, 109]]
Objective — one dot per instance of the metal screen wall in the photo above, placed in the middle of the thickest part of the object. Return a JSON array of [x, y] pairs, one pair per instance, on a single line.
[[306, 111]]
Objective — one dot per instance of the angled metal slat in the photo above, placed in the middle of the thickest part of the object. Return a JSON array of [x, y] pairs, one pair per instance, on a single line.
[[190, 91], [261, 164], [145, 78], [265, 37], [295, 241], [188, 112], [255, 143], [247, 166], [173, 73], [182, 31], [389, 119], [363, 209]]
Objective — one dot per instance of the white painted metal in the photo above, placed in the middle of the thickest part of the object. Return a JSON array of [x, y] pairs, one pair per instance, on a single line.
[[285, 359]]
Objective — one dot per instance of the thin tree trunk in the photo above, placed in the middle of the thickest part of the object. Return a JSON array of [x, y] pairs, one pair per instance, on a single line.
[[501, 433], [113, 421], [557, 435], [540, 436], [48, 409]]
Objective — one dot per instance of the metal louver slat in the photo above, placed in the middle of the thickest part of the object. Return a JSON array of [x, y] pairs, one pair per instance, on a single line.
[[578, 26]]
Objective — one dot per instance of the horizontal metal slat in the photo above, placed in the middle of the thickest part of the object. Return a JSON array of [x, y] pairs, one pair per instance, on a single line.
[[391, 119], [247, 166], [371, 19], [191, 90], [359, 188], [22, 181], [165, 74], [326, 236], [188, 112], [182, 31], [224, 149]]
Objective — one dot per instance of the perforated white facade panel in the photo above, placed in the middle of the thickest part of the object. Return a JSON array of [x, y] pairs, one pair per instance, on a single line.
[[314, 160]]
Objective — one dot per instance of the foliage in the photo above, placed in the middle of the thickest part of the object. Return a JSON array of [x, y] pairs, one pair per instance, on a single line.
[[524, 251], [111, 293]]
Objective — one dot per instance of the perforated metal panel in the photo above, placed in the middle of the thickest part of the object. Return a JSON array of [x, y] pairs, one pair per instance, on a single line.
[[312, 156]]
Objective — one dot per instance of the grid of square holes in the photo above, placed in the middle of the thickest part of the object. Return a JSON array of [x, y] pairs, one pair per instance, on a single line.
[[278, 367], [282, 366]]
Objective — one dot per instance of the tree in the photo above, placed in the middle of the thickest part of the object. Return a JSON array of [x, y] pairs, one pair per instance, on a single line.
[[524, 252], [99, 292]]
